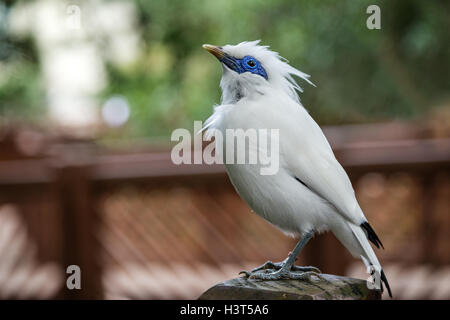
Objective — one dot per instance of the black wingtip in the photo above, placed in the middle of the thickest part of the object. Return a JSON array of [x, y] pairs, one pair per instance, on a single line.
[[371, 235], [386, 283]]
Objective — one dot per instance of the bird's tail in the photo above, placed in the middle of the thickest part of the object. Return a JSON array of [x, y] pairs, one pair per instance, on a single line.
[[369, 258]]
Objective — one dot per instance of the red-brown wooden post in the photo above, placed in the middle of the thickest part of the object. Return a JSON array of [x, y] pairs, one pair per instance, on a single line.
[[80, 221]]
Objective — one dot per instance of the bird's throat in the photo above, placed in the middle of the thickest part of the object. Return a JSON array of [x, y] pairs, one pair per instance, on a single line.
[[232, 92]]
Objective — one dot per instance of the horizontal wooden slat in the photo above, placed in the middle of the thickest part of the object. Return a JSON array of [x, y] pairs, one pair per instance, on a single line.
[[392, 155]]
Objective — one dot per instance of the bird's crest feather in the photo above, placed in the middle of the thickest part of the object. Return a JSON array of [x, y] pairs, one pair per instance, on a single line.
[[280, 73]]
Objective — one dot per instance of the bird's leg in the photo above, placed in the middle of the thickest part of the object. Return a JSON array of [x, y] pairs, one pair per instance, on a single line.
[[286, 268], [267, 265]]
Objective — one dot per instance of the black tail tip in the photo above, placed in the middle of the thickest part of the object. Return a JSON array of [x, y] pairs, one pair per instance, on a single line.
[[371, 235], [386, 283]]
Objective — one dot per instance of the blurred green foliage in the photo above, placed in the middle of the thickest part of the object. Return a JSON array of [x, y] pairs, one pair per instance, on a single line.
[[362, 75], [21, 92]]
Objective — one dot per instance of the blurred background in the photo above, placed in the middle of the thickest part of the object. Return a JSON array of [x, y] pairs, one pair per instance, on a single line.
[[90, 92]]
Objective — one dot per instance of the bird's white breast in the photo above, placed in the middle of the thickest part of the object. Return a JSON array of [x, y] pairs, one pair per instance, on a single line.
[[278, 198]]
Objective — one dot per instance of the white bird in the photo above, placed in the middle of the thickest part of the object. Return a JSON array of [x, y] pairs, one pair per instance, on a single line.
[[311, 192]]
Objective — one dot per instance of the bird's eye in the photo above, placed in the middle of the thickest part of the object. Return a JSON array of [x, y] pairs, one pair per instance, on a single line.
[[251, 63]]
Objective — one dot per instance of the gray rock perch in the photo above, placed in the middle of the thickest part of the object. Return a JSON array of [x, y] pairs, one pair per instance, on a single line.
[[331, 288]]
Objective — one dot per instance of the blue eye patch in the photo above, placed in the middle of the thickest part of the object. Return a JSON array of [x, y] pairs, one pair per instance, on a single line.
[[246, 64]]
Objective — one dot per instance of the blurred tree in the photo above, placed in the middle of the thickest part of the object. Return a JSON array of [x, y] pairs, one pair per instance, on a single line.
[[398, 72], [21, 92]]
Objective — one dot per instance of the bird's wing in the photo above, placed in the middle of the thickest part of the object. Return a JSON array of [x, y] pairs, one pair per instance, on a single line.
[[310, 158]]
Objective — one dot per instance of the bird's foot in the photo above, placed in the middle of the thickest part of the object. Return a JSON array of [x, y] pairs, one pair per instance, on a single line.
[[278, 268], [286, 274]]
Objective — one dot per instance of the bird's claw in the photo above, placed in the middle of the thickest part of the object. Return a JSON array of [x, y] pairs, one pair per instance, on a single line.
[[284, 274], [275, 271], [245, 273], [306, 269]]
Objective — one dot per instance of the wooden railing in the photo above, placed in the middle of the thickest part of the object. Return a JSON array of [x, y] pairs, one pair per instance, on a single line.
[[58, 194]]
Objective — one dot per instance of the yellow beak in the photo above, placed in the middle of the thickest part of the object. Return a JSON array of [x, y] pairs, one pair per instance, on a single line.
[[214, 50]]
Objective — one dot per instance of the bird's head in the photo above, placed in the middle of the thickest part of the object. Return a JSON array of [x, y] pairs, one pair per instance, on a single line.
[[249, 68]]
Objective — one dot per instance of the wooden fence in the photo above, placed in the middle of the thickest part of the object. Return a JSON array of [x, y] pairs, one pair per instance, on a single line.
[[61, 196]]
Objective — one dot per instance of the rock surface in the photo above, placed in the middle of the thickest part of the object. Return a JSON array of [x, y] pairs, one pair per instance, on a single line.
[[332, 287]]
